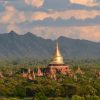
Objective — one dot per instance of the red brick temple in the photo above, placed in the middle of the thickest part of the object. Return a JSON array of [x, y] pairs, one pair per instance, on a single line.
[[57, 65]]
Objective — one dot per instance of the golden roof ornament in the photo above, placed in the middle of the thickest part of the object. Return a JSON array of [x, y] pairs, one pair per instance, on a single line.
[[57, 58]]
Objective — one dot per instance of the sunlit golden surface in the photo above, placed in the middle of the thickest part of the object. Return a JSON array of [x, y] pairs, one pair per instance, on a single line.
[[57, 58]]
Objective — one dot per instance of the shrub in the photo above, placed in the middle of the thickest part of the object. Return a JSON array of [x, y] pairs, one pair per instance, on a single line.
[[40, 96], [76, 97]]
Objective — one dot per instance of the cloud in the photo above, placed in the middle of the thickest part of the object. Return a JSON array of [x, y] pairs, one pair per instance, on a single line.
[[14, 27], [90, 3], [66, 14], [76, 32], [52, 32], [7, 14], [62, 22], [4, 2], [35, 3], [12, 15], [39, 16], [27, 15]]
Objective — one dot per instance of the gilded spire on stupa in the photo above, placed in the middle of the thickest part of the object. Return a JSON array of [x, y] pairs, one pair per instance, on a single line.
[[57, 58]]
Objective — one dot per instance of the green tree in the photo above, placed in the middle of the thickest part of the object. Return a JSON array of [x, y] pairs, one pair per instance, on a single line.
[[20, 91], [89, 97], [88, 90], [76, 97], [70, 90], [40, 96]]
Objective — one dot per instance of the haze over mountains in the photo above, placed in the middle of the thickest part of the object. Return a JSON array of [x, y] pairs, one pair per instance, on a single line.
[[13, 45]]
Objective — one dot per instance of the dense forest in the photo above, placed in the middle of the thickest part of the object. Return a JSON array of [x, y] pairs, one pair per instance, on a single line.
[[85, 87]]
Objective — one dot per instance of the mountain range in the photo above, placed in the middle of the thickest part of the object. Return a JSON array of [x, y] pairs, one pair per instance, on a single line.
[[29, 45]]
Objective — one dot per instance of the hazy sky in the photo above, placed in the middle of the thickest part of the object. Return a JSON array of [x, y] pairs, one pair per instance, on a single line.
[[52, 18]]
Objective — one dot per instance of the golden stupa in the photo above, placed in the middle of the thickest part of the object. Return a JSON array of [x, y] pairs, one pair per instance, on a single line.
[[57, 64], [57, 58]]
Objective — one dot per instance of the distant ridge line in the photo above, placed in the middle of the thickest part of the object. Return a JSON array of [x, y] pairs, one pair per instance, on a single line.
[[13, 45]]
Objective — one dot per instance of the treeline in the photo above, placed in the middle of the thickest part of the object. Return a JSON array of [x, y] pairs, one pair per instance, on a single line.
[[85, 87], [43, 88], [27, 62]]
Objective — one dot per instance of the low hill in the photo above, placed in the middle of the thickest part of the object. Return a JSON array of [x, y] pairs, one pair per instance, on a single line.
[[28, 45]]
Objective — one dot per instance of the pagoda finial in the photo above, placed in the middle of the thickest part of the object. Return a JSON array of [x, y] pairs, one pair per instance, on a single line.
[[57, 53], [57, 59]]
